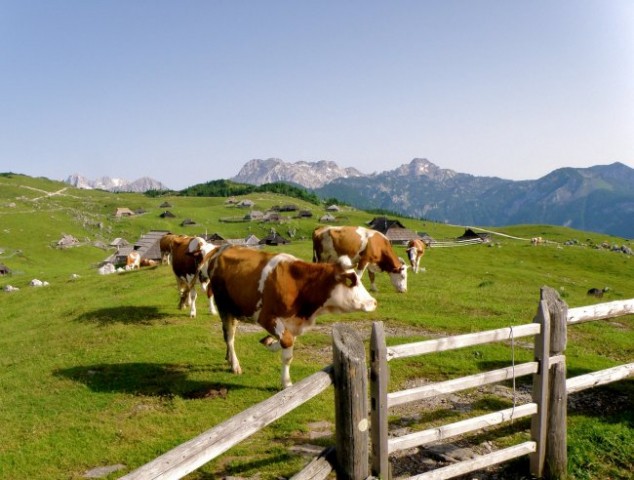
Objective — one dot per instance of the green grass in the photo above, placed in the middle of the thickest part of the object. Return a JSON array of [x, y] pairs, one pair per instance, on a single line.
[[105, 370]]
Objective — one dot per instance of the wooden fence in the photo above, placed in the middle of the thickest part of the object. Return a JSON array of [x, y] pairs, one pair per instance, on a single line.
[[352, 458], [547, 447], [349, 377]]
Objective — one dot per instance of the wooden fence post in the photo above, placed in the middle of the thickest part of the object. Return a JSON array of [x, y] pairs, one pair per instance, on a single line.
[[378, 401], [539, 422], [351, 403], [556, 467]]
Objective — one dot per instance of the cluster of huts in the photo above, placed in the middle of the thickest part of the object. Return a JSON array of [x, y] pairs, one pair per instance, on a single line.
[[273, 215]]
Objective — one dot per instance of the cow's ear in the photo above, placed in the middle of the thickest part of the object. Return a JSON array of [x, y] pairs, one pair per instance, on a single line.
[[350, 279]]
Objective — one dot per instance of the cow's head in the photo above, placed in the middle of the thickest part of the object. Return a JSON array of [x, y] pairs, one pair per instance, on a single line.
[[399, 277], [348, 293]]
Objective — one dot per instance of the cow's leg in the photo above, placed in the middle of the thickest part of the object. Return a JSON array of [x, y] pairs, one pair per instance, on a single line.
[[287, 358], [210, 296], [183, 293], [283, 340], [192, 302], [229, 325], [371, 276]]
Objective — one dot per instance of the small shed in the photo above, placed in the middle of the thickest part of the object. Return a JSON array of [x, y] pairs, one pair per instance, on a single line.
[[254, 215], [383, 224], [333, 208], [305, 214], [119, 242], [471, 235], [274, 238], [4, 270], [149, 244], [400, 236], [286, 208], [67, 241], [246, 203], [167, 214], [123, 212], [188, 222], [327, 218], [272, 217], [165, 205], [214, 238]]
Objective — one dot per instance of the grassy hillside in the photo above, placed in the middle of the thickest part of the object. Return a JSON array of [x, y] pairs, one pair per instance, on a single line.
[[104, 370]]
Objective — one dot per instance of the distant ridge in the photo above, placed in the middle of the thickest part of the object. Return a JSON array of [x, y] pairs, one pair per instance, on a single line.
[[598, 198], [140, 185], [306, 174]]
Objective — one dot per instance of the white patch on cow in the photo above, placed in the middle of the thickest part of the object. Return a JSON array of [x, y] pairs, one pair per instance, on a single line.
[[399, 278], [272, 265], [344, 299], [196, 244], [345, 262]]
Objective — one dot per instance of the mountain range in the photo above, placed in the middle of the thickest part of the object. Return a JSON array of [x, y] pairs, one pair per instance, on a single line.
[[599, 198], [115, 184]]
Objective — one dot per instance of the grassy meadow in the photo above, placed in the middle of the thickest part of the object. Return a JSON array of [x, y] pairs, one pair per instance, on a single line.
[[105, 370]]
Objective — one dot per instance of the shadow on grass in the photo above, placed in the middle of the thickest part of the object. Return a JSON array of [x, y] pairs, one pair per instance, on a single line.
[[143, 315], [147, 379]]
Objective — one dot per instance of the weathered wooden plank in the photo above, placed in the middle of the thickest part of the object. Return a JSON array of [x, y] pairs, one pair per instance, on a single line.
[[600, 311], [539, 422], [556, 463], [351, 403], [459, 428], [379, 378], [319, 468], [484, 461], [455, 385], [602, 377], [460, 341], [190, 455]]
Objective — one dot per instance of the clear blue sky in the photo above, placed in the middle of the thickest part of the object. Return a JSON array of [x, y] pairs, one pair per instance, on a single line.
[[188, 91]]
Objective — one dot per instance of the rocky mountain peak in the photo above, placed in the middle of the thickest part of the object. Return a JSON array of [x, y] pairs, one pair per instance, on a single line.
[[115, 184], [306, 174]]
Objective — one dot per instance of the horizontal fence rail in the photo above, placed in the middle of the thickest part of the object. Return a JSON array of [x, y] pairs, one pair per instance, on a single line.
[[455, 243], [191, 455], [450, 386], [600, 311], [602, 377], [494, 458], [459, 341], [424, 437]]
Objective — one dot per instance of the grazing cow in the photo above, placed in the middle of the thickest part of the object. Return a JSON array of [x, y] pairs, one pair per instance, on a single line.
[[281, 293], [537, 241], [415, 251], [148, 262], [189, 258], [366, 248], [133, 260]]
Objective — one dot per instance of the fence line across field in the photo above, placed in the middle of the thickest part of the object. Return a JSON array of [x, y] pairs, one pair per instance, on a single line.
[[351, 457], [547, 449]]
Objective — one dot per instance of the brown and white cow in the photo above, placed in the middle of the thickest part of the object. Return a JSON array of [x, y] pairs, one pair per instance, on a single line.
[[133, 260], [415, 251], [189, 257], [281, 293], [165, 245], [366, 248]]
